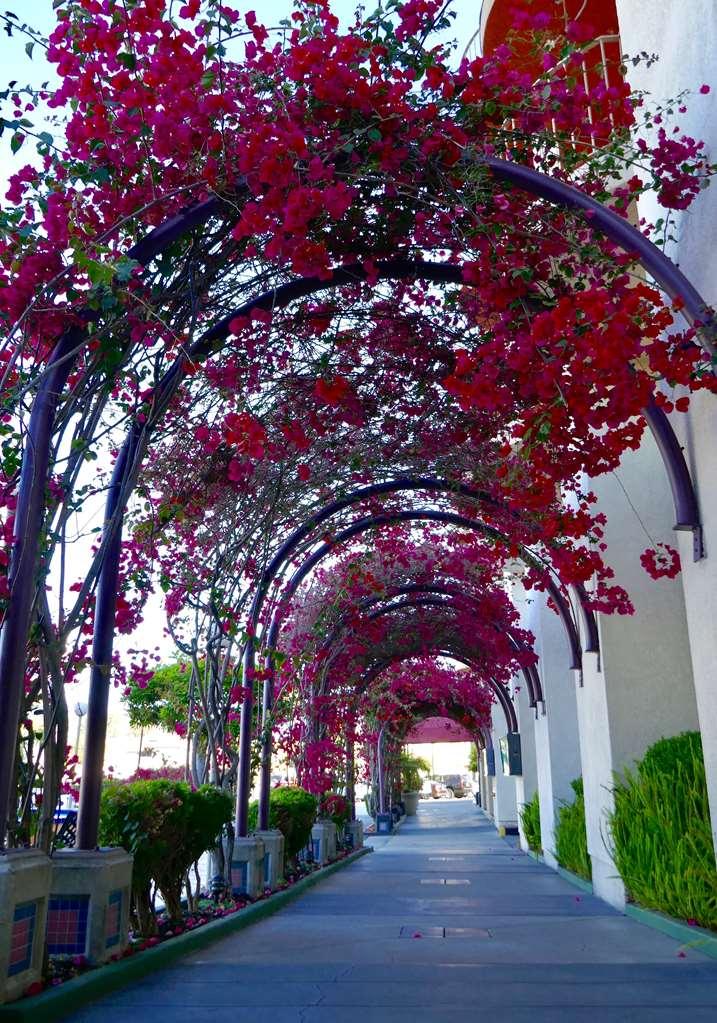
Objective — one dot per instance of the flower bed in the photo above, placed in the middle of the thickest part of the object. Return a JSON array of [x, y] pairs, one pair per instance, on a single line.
[[43, 1000]]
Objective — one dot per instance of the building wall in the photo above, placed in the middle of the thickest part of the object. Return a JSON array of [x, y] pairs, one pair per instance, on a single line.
[[683, 35]]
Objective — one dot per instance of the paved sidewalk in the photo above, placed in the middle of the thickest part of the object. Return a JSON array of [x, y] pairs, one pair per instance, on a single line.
[[444, 921]]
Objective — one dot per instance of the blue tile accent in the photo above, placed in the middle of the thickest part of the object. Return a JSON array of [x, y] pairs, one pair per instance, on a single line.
[[67, 917], [239, 877], [23, 935], [114, 918]]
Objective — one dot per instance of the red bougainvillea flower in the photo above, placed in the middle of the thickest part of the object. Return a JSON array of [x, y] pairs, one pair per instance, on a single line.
[[661, 561]]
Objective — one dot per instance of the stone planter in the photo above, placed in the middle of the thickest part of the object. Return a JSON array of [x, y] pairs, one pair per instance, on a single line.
[[384, 823], [247, 869], [323, 841], [88, 911], [24, 890], [353, 833], [410, 801], [273, 857]]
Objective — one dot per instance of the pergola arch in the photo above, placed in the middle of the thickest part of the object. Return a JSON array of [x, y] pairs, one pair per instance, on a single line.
[[456, 654], [430, 600], [36, 454], [426, 514], [460, 598]]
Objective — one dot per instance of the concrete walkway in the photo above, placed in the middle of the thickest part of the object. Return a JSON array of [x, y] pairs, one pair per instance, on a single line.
[[444, 921]]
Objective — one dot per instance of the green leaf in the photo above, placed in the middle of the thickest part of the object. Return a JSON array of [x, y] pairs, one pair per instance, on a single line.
[[124, 268], [29, 47], [16, 141], [127, 60]]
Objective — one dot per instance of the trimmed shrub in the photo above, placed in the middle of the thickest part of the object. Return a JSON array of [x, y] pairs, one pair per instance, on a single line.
[[571, 840], [661, 833], [293, 811], [530, 819], [167, 827]]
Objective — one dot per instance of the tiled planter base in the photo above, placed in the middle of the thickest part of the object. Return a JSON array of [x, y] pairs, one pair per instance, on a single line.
[[273, 857], [89, 903], [247, 870], [323, 841], [24, 890]]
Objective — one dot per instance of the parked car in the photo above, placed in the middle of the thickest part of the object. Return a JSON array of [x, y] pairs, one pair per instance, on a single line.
[[438, 789], [455, 785]]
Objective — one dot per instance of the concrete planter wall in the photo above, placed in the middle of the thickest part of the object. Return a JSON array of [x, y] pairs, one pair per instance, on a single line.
[[247, 869], [24, 891], [353, 834], [273, 857], [323, 841], [410, 801], [88, 911]]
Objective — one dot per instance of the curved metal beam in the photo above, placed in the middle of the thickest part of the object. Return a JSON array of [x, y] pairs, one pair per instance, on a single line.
[[371, 522], [26, 544], [454, 604], [503, 697], [620, 231]]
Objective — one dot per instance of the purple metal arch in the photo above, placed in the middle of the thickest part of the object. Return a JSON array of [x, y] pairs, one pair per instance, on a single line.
[[431, 599], [26, 542], [460, 598], [31, 501], [29, 516], [121, 488], [462, 657], [664, 272], [427, 514]]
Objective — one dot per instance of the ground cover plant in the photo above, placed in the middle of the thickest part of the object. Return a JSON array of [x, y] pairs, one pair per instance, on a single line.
[[661, 832]]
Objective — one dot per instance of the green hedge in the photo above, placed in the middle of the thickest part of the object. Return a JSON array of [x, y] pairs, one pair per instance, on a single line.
[[530, 819], [293, 811], [571, 842], [661, 834], [167, 826]]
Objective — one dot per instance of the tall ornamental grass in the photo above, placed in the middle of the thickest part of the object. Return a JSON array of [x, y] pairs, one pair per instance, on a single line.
[[530, 819], [571, 841], [661, 834]]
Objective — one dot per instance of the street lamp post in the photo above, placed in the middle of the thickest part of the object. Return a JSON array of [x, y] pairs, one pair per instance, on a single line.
[[80, 711]]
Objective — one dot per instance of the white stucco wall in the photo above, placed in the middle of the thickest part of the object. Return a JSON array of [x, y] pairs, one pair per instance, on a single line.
[[556, 737], [526, 784], [640, 688], [684, 35], [505, 811]]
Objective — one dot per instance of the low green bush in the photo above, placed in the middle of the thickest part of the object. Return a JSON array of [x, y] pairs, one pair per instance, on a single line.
[[571, 841], [661, 833], [167, 827], [293, 811], [530, 819]]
